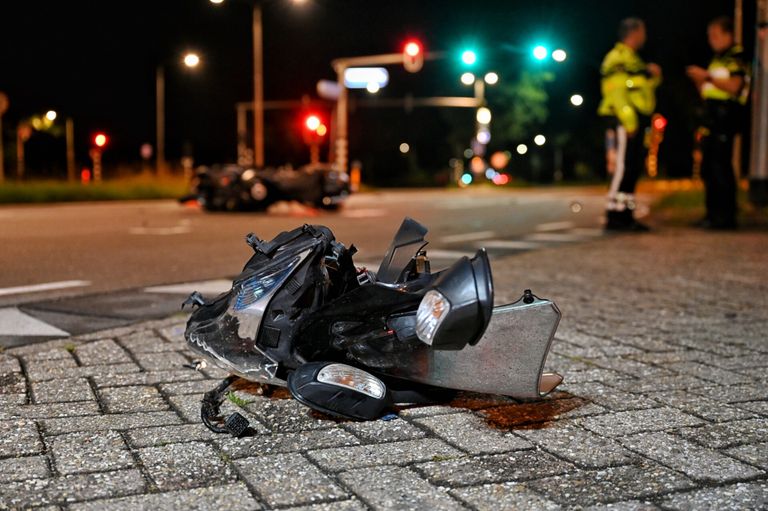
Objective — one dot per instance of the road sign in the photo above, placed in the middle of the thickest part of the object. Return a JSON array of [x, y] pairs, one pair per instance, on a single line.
[[361, 77]]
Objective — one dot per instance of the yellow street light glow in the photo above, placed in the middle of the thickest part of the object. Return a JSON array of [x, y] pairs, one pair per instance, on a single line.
[[50, 115], [483, 115], [217, 2], [559, 55], [467, 78], [491, 78], [404, 148], [322, 130], [191, 60], [577, 100], [539, 139], [522, 149], [373, 87]]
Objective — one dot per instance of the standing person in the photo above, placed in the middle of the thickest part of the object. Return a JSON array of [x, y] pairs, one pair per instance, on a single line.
[[723, 86], [629, 98]]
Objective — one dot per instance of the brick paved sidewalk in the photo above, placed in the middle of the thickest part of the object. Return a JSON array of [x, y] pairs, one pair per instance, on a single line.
[[664, 351]]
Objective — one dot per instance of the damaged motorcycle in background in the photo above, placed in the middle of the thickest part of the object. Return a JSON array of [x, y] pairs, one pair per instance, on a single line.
[[352, 343]]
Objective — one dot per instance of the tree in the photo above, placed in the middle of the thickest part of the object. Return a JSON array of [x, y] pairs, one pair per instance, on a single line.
[[520, 106]]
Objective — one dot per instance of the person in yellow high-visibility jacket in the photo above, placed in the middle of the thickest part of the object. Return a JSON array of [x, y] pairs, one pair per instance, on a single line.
[[724, 88], [629, 98]]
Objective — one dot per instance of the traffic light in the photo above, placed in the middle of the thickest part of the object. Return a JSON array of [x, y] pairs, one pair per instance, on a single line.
[[659, 122], [413, 56], [100, 140], [468, 57], [540, 52], [312, 122]]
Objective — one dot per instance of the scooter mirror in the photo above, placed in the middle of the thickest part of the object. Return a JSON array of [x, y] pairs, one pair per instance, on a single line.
[[339, 389]]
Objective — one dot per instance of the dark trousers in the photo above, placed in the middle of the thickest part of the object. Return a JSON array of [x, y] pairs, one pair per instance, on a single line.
[[716, 163], [630, 162]]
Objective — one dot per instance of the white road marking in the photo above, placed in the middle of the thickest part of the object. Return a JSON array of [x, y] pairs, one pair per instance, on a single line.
[[15, 322], [182, 228], [49, 286], [206, 288], [363, 213], [592, 232], [554, 226], [470, 236], [559, 237], [509, 244]]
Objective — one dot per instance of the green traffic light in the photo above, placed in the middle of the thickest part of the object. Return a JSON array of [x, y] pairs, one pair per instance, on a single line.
[[469, 57], [540, 52]]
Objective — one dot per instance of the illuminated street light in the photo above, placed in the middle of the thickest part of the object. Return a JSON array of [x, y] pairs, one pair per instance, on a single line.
[[372, 87], [491, 78], [467, 78], [217, 2], [404, 148], [559, 55], [540, 52], [577, 100], [50, 115], [468, 57], [483, 115], [522, 149], [539, 140], [191, 59]]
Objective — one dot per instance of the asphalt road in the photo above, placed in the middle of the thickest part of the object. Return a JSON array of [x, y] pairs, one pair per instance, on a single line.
[[112, 246]]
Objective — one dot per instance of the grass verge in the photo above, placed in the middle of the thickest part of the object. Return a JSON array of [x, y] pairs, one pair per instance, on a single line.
[[135, 188]]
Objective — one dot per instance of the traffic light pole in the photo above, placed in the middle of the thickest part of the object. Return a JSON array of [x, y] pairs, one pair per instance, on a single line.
[[758, 179]]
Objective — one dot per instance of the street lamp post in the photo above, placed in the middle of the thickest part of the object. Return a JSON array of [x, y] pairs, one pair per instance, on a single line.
[[191, 60]]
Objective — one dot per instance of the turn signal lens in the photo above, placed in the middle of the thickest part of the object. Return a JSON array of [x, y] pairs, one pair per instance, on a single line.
[[353, 378], [433, 309]]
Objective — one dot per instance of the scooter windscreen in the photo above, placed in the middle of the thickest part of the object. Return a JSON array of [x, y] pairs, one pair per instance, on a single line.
[[227, 329]]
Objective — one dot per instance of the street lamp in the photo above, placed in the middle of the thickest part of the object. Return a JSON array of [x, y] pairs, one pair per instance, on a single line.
[[467, 78], [539, 140], [559, 55], [491, 78], [258, 79], [50, 115], [190, 60], [577, 100]]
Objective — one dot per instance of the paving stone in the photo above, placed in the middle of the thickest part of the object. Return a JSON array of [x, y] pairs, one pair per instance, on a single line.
[[12, 399], [492, 497], [736, 497], [168, 361], [598, 374], [132, 399], [397, 488], [232, 497], [701, 406], [27, 467], [37, 369], [146, 341], [186, 465], [515, 415], [105, 351], [19, 437], [12, 383], [384, 431], [755, 454], [696, 462], [174, 333], [187, 387], [608, 397], [427, 411], [744, 362], [49, 410], [61, 391], [72, 488], [9, 364], [287, 415], [339, 505], [710, 373], [613, 484], [734, 393], [277, 443], [90, 452], [760, 407], [472, 434], [288, 480], [391, 453], [568, 440], [636, 421], [107, 371], [162, 435], [512, 466], [121, 331], [632, 367], [728, 434], [628, 505], [117, 421], [61, 350], [643, 386], [145, 378]]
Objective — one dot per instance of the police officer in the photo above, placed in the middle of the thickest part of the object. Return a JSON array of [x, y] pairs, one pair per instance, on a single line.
[[723, 86], [629, 98]]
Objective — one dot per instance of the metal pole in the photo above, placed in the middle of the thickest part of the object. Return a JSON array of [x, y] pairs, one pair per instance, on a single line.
[[19, 155], [341, 121], [242, 136], [258, 88], [2, 152], [160, 119], [70, 134], [758, 179]]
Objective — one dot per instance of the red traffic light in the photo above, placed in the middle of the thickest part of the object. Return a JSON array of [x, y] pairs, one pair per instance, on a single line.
[[100, 140], [412, 48], [312, 122], [659, 122]]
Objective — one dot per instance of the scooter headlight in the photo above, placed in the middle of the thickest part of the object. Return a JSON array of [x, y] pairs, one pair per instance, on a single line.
[[433, 309], [342, 375]]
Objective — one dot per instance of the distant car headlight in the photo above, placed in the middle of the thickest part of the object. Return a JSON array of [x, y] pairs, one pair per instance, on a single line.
[[433, 309]]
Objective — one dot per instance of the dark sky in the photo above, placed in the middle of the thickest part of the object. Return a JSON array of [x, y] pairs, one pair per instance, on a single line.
[[95, 61]]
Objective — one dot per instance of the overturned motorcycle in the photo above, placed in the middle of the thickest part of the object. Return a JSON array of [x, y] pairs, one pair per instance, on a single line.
[[352, 343]]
